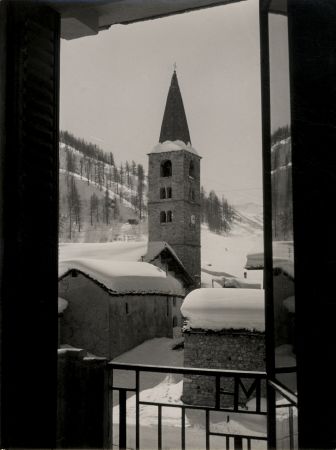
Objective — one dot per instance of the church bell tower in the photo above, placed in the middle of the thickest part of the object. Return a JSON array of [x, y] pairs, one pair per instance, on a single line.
[[174, 187]]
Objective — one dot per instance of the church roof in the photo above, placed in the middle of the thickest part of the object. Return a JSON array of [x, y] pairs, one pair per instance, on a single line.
[[174, 124], [156, 247]]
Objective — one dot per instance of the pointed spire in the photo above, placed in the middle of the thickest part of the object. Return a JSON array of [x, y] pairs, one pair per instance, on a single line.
[[174, 124]]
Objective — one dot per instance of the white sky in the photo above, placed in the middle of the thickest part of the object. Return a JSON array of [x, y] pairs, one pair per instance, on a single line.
[[114, 88]]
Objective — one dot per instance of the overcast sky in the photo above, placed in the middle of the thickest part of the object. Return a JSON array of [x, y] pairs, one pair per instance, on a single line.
[[114, 88]]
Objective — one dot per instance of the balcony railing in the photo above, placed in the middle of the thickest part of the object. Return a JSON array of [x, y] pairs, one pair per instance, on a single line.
[[286, 412], [228, 391]]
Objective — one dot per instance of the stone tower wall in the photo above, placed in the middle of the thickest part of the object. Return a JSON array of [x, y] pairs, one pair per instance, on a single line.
[[183, 235]]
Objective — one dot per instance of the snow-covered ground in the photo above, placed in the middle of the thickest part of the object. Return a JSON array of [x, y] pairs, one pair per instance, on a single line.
[[220, 255], [227, 255], [167, 388], [109, 251]]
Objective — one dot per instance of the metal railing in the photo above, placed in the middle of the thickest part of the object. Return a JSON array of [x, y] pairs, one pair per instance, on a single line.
[[244, 386], [285, 416]]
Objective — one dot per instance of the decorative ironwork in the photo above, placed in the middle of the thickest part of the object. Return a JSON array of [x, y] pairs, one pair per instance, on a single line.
[[230, 440]]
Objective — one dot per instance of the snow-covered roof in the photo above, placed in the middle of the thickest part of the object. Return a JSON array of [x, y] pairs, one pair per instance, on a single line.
[[156, 247], [283, 258], [62, 305], [224, 309], [124, 277], [173, 146], [117, 251]]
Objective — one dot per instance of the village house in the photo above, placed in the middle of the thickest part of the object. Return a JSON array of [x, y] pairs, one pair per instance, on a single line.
[[160, 254], [115, 306], [224, 329]]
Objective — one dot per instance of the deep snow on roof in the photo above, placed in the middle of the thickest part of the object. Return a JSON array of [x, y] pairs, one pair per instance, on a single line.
[[223, 309], [156, 247], [62, 305], [283, 257], [116, 251], [173, 146], [125, 277]]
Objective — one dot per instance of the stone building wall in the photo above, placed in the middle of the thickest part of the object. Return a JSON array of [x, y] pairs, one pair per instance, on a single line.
[[137, 318], [85, 322], [227, 350], [109, 325]]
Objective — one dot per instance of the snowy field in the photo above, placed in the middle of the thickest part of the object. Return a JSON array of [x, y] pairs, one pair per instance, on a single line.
[[167, 388], [220, 255], [227, 254]]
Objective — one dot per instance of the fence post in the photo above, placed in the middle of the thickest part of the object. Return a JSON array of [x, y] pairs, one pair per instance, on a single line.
[[238, 443], [82, 394], [122, 419]]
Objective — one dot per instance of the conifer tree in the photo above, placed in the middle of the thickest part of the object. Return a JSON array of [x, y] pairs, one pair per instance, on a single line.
[[107, 205], [121, 174], [127, 171], [116, 211], [140, 188], [133, 168]]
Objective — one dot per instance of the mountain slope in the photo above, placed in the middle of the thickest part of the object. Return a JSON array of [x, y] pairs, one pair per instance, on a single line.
[[107, 199], [97, 199]]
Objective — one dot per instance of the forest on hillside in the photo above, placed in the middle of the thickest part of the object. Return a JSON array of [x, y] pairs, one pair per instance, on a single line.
[[217, 213], [97, 195]]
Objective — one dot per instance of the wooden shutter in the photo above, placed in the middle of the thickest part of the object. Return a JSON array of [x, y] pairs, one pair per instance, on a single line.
[[29, 196]]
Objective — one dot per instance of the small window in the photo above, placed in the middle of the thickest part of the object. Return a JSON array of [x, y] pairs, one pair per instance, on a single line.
[[165, 192], [192, 219], [174, 301], [174, 321], [169, 216], [192, 169], [126, 307], [192, 194], [166, 169], [162, 192], [167, 306], [163, 217]]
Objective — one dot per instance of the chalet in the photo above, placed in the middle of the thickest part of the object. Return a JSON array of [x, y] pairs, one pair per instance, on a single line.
[[114, 306]]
